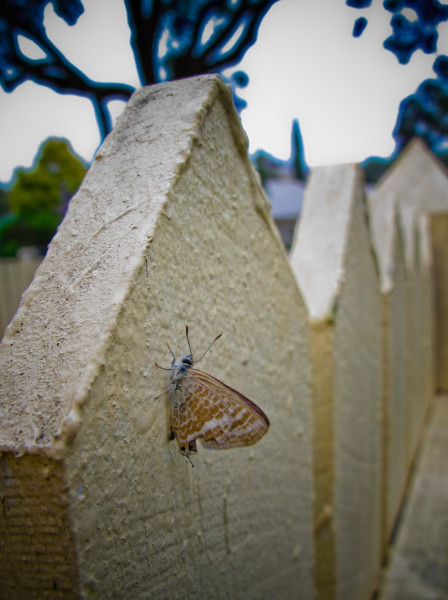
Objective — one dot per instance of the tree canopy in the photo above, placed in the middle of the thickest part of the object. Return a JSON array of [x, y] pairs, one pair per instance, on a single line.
[[170, 39], [414, 27], [39, 196]]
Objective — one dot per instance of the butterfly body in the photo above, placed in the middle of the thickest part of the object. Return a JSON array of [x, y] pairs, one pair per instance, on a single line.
[[204, 408]]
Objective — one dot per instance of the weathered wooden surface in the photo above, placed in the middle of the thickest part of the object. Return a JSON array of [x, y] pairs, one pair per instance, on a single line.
[[418, 566], [335, 267], [37, 545], [170, 226]]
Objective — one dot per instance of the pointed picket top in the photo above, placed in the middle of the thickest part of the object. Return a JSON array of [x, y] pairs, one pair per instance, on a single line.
[[318, 252], [418, 181], [93, 259], [170, 227]]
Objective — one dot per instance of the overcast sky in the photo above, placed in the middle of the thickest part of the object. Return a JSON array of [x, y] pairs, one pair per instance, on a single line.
[[305, 64]]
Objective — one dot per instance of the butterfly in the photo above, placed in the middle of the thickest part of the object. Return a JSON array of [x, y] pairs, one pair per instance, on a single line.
[[204, 408]]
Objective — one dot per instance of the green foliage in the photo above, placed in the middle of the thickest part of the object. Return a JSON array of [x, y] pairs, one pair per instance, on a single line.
[[266, 165], [4, 205], [374, 168], [50, 184], [38, 198]]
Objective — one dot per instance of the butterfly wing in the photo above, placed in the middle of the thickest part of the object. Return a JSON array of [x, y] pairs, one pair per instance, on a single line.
[[215, 413]]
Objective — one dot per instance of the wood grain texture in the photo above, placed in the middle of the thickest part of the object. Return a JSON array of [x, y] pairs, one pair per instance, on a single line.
[[37, 547]]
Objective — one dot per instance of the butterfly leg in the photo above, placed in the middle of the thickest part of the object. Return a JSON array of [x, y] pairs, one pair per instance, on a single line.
[[186, 453]]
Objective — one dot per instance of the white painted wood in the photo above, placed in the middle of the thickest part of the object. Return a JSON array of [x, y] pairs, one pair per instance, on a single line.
[[334, 264], [170, 226]]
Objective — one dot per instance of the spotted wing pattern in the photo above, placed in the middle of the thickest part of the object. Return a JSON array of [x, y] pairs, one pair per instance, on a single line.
[[204, 408]]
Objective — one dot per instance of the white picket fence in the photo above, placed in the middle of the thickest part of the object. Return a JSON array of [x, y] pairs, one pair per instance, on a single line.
[[335, 344]]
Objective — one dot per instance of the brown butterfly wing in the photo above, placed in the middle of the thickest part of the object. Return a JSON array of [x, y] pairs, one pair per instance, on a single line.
[[215, 413]]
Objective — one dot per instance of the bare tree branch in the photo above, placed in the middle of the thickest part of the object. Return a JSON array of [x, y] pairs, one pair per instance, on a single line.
[[180, 23]]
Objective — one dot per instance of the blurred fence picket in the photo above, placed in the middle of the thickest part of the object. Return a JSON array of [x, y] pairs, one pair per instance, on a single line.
[[335, 268], [15, 277]]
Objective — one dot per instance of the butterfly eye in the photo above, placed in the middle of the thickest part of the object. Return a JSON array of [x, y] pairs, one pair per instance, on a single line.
[[186, 360]]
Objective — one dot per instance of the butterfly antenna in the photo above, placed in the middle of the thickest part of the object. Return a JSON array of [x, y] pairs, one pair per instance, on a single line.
[[188, 340], [216, 338], [172, 353]]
